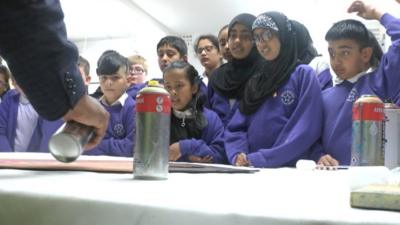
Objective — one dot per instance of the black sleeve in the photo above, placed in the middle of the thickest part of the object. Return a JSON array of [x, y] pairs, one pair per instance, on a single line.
[[33, 41]]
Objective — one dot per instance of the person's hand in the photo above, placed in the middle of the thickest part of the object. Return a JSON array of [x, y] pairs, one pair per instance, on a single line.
[[365, 11], [326, 162], [90, 112], [241, 160], [198, 159], [174, 152]]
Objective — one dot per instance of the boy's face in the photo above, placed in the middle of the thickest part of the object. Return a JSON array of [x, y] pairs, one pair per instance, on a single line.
[[136, 75], [166, 55], [179, 87], [85, 77], [240, 41], [348, 58], [3, 83], [114, 85]]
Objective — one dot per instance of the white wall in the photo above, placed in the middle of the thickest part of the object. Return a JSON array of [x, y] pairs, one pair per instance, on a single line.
[[116, 25], [135, 26]]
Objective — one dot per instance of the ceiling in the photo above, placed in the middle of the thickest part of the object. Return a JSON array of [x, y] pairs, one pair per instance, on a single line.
[[101, 18]]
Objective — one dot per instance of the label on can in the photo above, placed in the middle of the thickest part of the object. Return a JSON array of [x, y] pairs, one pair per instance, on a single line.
[[368, 111], [153, 103]]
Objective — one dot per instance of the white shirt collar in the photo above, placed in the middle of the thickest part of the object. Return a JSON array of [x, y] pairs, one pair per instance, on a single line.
[[354, 79], [121, 100]]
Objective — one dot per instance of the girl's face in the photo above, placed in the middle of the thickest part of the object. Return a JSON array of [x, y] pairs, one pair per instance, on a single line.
[[114, 85], [268, 44], [240, 41], [208, 54], [223, 44], [180, 88]]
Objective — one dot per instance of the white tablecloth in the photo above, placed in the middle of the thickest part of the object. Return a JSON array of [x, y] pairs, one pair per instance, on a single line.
[[271, 196]]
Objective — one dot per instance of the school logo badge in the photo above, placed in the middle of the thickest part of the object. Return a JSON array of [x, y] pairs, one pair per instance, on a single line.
[[288, 97], [118, 130], [352, 95]]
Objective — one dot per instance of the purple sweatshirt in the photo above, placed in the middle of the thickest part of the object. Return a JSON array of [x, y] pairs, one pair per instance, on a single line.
[[8, 125], [120, 134], [220, 105], [338, 100], [284, 127], [211, 142]]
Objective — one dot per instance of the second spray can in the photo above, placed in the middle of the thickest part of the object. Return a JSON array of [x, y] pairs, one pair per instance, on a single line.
[[367, 147], [153, 119]]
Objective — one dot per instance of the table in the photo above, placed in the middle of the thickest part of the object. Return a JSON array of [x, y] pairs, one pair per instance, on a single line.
[[270, 196]]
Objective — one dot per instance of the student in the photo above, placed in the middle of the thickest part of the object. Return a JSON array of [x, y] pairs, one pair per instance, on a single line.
[[4, 81], [21, 128], [223, 43], [227, 83], [208, 52], [84, 68], [137, 70], [137, 75], [280, 114], [119, 139], [355, 58], [196, 132]]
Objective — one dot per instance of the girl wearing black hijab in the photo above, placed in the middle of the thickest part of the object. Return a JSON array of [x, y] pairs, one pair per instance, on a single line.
[[280, 114], [228, 82]]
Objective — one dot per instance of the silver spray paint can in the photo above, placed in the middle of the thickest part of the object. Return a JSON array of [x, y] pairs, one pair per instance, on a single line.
[[392, 136], [153, 119], [367, 147], [67, 144]]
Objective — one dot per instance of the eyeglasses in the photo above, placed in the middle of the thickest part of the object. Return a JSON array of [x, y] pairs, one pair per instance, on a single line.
[[207, 48], [136, 69], [241, 36], [264, 37]]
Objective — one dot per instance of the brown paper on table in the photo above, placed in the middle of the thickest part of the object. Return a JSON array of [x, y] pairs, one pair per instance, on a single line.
[[115, 166]]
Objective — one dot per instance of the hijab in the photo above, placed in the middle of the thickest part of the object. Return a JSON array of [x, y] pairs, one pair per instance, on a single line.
[[296, 48], [229, 80]]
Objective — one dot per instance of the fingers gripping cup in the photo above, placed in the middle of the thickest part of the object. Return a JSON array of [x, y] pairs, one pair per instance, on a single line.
[[67, 144]]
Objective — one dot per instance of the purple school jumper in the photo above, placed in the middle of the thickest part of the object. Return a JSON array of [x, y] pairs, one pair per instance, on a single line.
[[220, 105], [8, 125], [211, 142], [338, 100], [325, 79], [119, 139], [284, 127]]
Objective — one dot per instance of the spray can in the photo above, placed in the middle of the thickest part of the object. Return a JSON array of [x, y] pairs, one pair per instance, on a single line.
[[67, 144], [392, 133], [153, 120], [367, 147]]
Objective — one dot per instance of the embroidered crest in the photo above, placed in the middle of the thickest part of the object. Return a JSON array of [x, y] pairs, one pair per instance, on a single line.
[[288, 97], [119, 130], [352, 95]]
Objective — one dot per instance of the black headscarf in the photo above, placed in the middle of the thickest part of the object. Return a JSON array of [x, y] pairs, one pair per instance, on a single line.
[[296, 48], [230, 79]]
